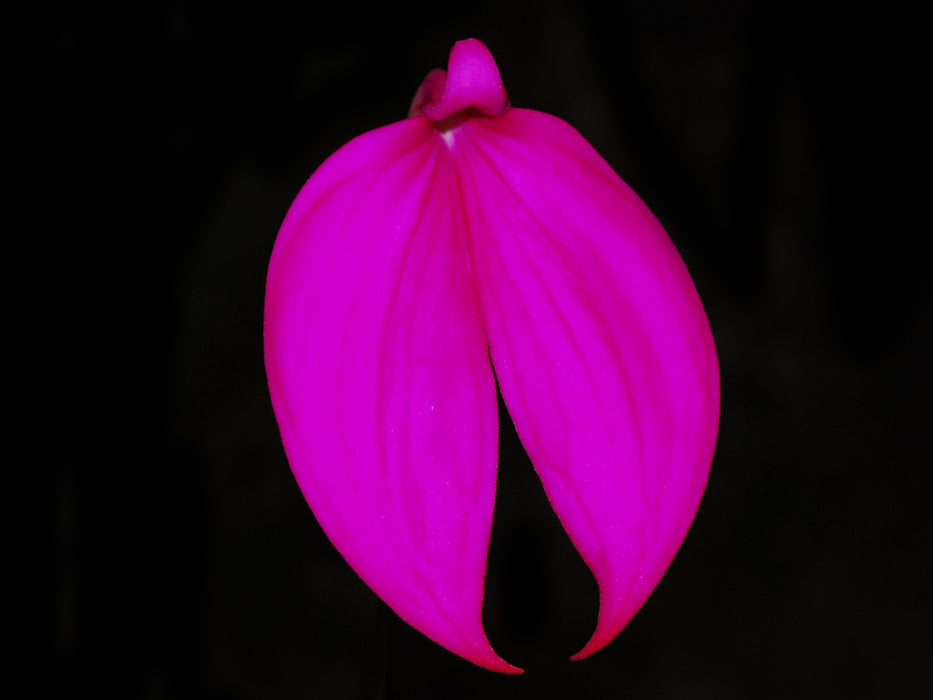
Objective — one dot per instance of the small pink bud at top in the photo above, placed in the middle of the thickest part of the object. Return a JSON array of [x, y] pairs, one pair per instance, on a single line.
[[472, 80]]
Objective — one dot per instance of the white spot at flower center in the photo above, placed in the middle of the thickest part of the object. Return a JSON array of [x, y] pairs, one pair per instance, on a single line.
[[448, 136]]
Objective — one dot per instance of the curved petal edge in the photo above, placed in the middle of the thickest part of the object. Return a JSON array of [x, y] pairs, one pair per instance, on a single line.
[[600, 344]]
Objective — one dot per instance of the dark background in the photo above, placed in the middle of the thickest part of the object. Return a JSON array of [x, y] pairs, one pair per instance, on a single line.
[[776, 142]]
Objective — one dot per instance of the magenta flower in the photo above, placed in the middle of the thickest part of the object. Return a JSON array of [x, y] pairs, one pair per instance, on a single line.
[[423, 262]]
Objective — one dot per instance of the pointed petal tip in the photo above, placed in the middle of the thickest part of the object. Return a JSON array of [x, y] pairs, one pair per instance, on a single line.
[[486, 659], [503, 666], [481, 653], [471, 643], [607, 629], [596, 643]]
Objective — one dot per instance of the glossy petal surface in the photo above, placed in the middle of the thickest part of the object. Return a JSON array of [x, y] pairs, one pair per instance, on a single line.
[[380, 378], [600, 345]]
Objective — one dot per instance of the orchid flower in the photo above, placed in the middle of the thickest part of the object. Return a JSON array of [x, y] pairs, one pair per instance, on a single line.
[[425, 261]]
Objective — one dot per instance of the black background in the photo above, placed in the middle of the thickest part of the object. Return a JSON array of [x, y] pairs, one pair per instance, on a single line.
[[777, 144]]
